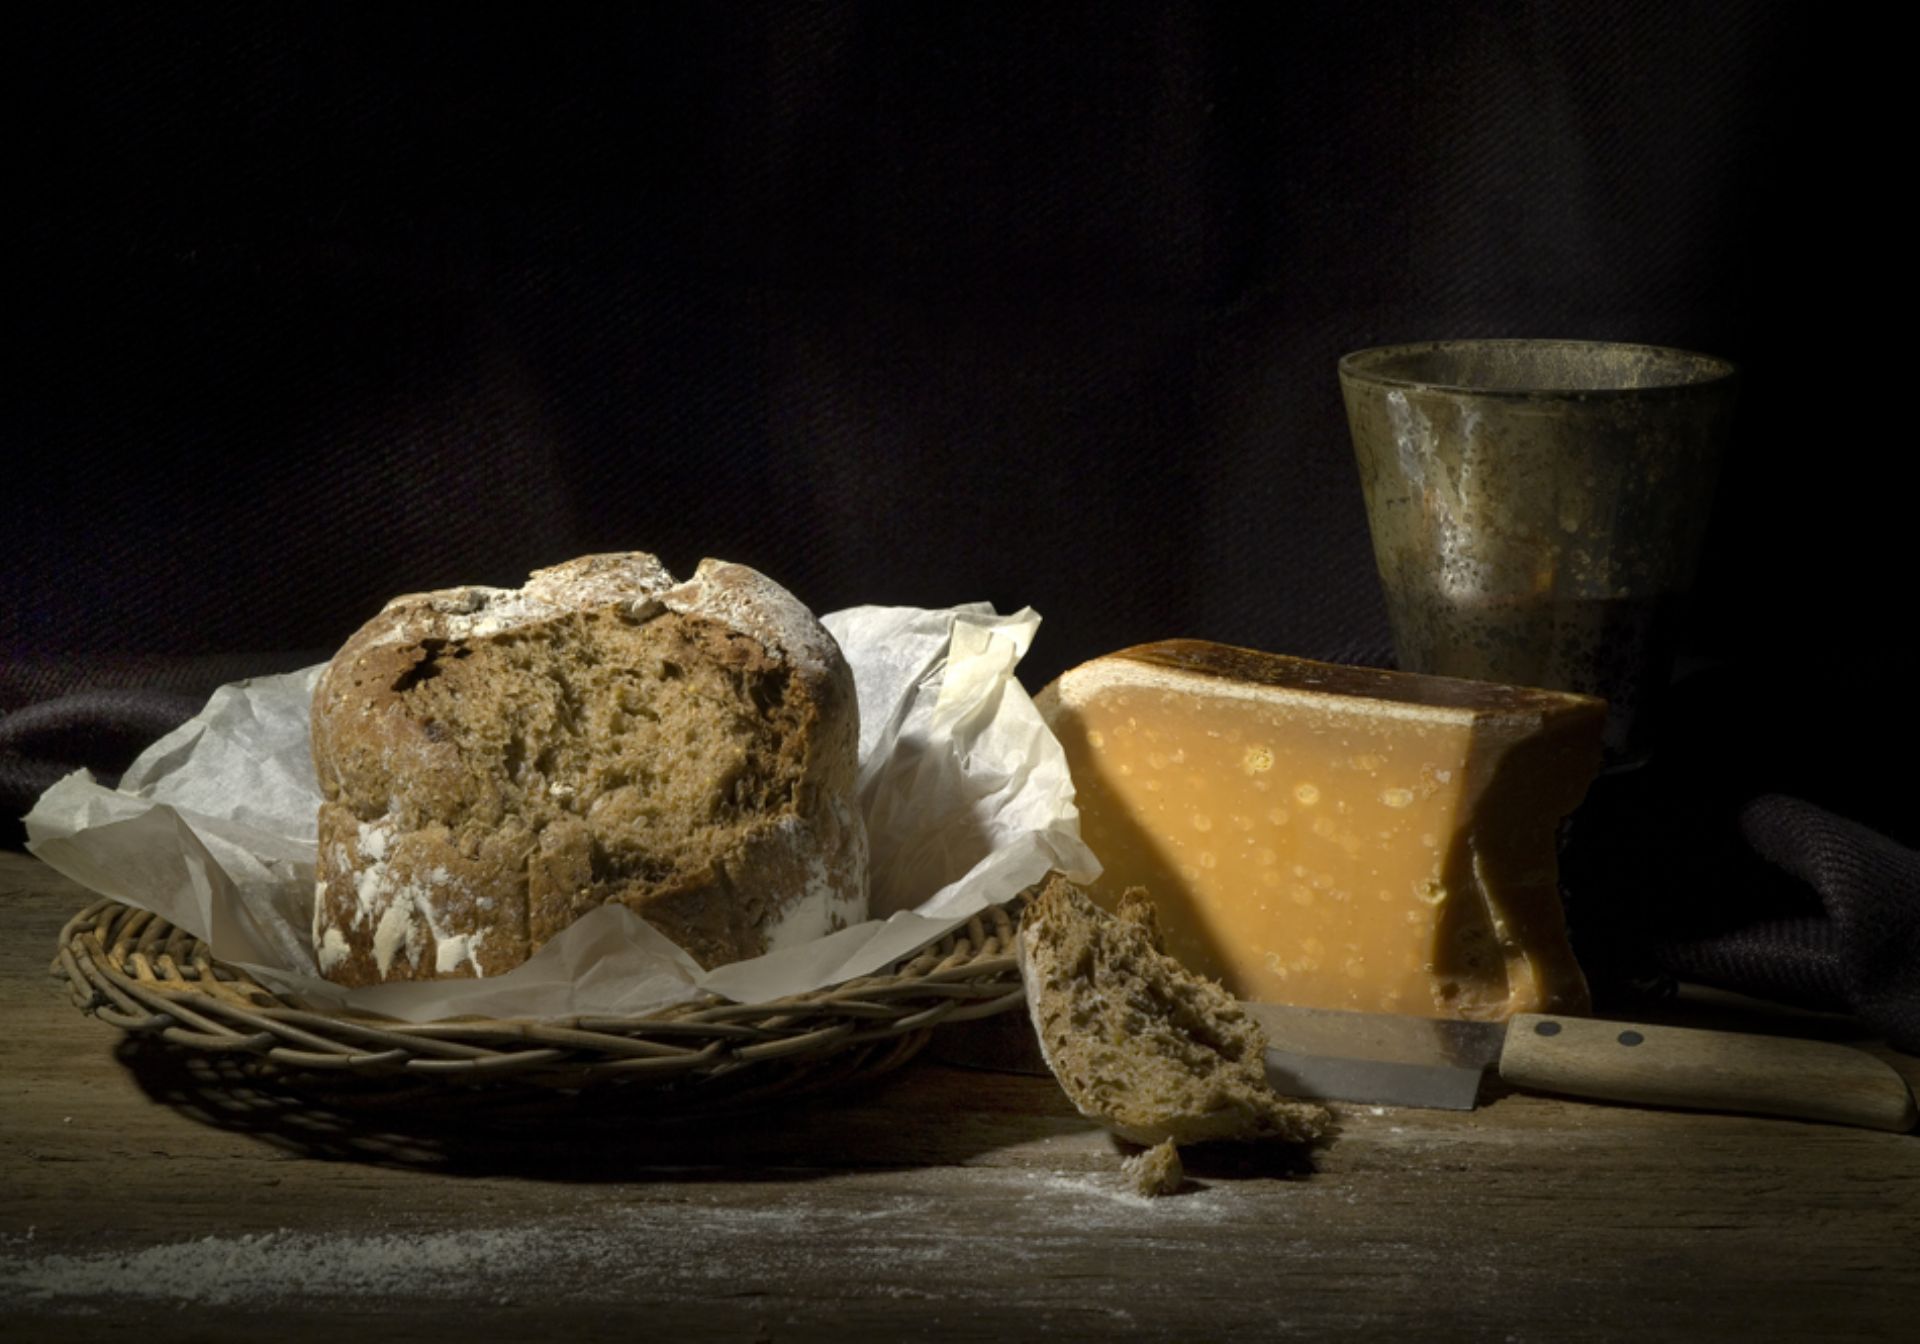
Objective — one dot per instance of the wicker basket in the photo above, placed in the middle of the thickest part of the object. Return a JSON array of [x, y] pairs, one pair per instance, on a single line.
[[147, 977]]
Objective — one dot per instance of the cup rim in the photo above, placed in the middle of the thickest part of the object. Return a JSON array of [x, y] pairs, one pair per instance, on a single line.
[[1716, 370]]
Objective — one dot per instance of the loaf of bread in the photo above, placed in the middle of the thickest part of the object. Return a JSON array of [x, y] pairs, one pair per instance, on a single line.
[[496, 763], [1139, 1044]]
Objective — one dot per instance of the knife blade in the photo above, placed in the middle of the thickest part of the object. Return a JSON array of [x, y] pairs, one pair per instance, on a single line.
[[1384, 1059]]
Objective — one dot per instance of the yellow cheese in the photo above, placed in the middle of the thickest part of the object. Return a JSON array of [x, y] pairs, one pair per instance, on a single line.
[[1332, 836]]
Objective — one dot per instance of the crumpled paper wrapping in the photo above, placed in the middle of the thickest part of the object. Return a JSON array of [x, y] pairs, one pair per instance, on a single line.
[[966, 794]]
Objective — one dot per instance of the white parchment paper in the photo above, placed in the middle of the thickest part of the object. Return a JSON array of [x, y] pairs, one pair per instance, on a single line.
[[966, 795]]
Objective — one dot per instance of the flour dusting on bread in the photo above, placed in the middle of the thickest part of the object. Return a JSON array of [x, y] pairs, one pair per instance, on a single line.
[[496, 762]]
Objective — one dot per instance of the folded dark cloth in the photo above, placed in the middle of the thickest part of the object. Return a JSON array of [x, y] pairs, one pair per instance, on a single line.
[[1855, 947], [1761, 851], [1860, 954], [98, 713]]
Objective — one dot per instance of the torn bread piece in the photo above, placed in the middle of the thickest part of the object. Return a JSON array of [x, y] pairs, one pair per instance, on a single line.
[[1139, 1044]]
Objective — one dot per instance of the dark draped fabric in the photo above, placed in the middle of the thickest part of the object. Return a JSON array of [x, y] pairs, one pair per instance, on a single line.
[[917, 303]]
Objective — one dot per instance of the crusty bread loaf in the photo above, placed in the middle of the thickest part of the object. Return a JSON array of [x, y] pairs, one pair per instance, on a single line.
[[495, 763], [1139, 1044]]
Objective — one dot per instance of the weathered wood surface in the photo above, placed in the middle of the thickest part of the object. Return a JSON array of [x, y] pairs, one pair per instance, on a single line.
[[941, 1203]]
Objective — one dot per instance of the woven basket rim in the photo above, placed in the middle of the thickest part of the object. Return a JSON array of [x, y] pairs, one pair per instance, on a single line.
[[138, 972]]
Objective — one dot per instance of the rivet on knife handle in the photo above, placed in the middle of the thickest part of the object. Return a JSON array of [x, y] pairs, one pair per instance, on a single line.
[[1705, 1070]]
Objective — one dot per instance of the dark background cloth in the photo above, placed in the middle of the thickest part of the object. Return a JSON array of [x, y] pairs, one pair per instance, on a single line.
[[899, 303]]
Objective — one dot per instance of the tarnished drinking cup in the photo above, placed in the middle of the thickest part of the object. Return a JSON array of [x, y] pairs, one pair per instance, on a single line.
[[1538, 508]]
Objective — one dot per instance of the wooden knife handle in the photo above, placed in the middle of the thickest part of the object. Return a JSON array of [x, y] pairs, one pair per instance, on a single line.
[[1705, 1070]]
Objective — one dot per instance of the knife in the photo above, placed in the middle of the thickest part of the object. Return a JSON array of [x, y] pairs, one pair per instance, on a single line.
[[1332, 1055]]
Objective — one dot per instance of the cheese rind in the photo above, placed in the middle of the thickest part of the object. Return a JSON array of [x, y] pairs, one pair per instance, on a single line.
[[1333, 836]]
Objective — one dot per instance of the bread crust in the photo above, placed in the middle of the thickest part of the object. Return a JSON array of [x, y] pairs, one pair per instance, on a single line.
[[496, 762]]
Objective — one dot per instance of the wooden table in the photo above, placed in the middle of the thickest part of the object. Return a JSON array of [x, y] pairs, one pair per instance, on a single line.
[[939, 1202]]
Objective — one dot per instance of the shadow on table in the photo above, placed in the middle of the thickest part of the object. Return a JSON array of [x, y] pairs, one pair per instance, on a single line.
[[912, 1116], [923, 1114]]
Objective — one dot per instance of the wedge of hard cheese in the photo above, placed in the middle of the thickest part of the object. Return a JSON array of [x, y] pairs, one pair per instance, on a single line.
[[1337, 837]]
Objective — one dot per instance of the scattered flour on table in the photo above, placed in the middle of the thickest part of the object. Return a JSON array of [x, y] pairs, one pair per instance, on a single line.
[[265, 1265], [1105, 1200], [692, 1243]]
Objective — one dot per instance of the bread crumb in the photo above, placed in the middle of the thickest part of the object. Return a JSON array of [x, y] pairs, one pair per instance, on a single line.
[[1155, 1171]]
